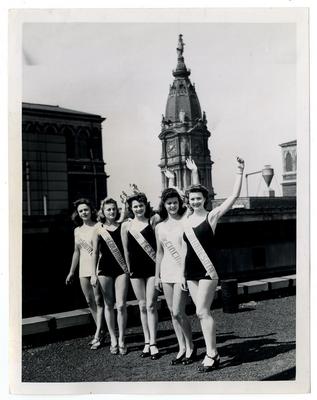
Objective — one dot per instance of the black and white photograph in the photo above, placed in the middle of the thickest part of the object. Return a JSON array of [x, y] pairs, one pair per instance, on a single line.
[[161, 190]]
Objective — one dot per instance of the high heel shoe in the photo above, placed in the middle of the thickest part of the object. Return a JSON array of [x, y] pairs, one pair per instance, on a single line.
[[155, 356], [123, 350], [191, 358], [215, 365], [145, 354], [114, 349], [178, 360], [96, 344]]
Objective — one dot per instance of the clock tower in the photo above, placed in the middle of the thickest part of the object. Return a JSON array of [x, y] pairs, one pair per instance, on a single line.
[[184, 130]]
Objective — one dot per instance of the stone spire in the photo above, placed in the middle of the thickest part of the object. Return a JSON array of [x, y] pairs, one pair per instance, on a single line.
[[182, 103], [181, 70], [184, 130]]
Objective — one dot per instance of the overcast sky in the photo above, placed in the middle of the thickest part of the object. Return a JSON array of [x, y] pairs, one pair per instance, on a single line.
[[245, 77]]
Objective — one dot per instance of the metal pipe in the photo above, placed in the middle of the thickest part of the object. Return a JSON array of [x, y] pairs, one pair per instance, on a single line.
[[246, 180], [28, 188], [45, 204]]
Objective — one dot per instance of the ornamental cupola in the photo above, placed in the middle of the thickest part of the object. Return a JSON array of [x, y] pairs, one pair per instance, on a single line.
[[184, 130]]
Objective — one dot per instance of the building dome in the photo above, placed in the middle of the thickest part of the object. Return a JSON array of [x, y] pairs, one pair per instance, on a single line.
[[182, 102]]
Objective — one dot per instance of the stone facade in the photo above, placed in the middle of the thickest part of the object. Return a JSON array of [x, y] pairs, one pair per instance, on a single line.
[[62, 159], [289, 156], [184, 130]]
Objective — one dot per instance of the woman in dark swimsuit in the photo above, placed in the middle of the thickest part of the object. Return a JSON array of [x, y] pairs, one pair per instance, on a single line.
[[139, 243], [200, 274], [112, 271]]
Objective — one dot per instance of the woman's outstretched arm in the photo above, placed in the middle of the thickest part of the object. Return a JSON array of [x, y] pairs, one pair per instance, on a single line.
[[191, 165], [228, 203], [124, 209]]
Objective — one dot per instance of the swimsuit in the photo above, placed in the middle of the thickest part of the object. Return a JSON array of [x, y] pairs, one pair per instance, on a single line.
[[171, 270], [83, 238], [108, 265], [141, 264], [194, 269]]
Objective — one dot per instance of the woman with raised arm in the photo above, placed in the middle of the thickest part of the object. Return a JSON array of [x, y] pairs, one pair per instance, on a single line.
[[111, 271], [138, 239], [199, 271], [169, 234], [85, 218]]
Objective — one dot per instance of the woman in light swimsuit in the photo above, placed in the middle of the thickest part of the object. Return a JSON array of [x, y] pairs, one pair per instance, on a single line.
[[169, 272], [84, 218]]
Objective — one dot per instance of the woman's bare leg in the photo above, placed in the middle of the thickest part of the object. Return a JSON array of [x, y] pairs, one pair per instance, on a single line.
[[121, 290], [168, 289], [138, 285], [107, 288]]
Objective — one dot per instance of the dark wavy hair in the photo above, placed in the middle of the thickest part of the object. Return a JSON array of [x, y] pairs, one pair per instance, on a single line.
[[75, 216], [101, 216], [197, 189], [141, 198], [167, 194]]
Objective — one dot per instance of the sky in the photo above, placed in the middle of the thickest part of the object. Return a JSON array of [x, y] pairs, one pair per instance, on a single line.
[[245, 78]]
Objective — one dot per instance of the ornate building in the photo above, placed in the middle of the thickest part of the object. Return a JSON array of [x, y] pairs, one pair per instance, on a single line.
[[62, 161], [62, 158], [289, 155], [184, 130]]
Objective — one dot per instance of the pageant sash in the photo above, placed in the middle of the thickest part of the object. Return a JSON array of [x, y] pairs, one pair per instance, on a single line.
[[85, 245], [200, 252], [114, 249], [171, 248], [143, 243]]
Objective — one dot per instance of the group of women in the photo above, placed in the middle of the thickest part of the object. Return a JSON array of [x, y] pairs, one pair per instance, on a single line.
[[171, 250]]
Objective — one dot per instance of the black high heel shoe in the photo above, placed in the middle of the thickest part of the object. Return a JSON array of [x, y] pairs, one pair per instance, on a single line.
[[155, 356], [215, 365], [178, 360], [145, 354], [191, 358]]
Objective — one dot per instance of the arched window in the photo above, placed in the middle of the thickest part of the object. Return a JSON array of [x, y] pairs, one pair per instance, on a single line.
[[96, 143], [288, 162], [82, 144], [70, 142]]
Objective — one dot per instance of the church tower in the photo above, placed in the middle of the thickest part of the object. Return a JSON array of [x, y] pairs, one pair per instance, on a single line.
[[184, 130]]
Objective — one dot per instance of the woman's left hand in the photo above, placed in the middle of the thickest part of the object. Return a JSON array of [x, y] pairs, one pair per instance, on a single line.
[[190, 164], [93, 280], [169, 174], [184, 284], [240, 164], [158, 284]]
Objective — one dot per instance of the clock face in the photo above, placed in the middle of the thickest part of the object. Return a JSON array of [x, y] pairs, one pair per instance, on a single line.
[[171, 148]]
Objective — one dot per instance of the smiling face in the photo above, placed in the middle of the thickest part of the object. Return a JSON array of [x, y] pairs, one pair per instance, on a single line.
[[172, 205], [196, 200], [138, 208], [84, 212], [110, 211]]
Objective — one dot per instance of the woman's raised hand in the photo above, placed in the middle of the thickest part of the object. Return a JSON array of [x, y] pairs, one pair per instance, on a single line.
[[123, 197], [169, 174], [240, 164], [190, 164]]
